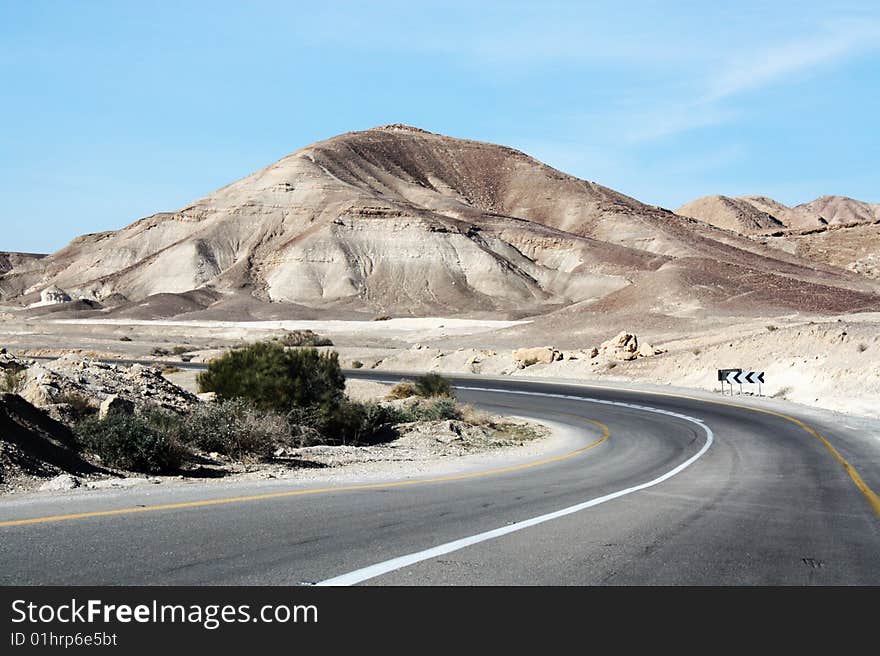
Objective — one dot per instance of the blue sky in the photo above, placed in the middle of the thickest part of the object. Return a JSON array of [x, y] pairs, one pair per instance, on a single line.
[[115, 110]]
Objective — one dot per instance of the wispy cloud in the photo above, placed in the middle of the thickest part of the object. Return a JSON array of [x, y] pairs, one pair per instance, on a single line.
[[661, 122], [763, 67], [711, 101]]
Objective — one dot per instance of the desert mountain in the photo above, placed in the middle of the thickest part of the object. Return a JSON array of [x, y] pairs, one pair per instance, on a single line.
[[839, 210], [736, 214], [10, 260], [855, 248], [759, 214], [399, 220]]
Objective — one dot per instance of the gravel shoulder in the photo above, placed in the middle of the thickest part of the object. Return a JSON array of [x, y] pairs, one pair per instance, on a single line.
[[422, 450], [343, 466]]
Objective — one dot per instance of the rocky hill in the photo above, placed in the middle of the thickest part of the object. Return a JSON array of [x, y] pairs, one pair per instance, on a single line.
[[397, 220], [736, 214], [759, 214], [10, 260]]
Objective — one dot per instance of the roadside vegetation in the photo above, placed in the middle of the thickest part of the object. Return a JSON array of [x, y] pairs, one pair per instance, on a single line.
[[268, 398]]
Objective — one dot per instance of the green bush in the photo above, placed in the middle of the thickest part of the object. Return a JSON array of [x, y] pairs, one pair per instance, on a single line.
[[429, 385], [435, 409], [349, 422], [303, 338], [130, 442], [234, 428], [274, 378]]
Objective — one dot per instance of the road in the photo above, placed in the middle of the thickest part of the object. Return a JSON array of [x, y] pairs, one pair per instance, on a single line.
[[660, 489]]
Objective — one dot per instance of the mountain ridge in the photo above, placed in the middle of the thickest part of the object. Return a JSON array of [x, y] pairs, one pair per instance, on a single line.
[[400, 220]]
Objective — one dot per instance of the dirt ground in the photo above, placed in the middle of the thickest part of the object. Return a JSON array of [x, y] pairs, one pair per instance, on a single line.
[[830, 362]]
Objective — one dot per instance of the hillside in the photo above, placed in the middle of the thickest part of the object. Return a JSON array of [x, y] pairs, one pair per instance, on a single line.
[[756, 214], [10, 260], [396, 220], [736, 214]]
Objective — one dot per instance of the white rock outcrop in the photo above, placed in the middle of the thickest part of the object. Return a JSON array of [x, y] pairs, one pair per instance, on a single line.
[[537, 355], [52, 295]]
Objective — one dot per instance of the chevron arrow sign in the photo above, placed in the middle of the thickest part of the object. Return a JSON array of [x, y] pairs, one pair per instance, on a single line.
[[740, 377], [754, 377]]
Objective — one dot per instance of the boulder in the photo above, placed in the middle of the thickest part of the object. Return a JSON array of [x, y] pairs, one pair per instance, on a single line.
[[538, 354], [60, 482], [647, 350], [623, 346], [623, 341], [115, 403]]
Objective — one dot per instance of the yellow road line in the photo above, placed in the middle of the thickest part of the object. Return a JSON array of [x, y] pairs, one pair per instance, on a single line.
[[606, 433], [864, 488]]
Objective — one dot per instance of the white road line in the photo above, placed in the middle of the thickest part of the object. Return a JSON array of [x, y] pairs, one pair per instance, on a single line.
[[366, 573]]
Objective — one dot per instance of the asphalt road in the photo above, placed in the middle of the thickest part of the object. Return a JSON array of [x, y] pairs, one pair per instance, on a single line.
[[736, 496]]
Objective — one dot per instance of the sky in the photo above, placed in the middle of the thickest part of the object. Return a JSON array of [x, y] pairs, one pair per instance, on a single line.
[[112, 111]]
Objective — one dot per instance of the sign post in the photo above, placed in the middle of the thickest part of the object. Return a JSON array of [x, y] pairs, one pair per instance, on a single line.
[[738, 376], [723, 377]]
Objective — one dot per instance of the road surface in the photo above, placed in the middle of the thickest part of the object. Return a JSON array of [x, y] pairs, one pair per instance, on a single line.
[[660, 489]]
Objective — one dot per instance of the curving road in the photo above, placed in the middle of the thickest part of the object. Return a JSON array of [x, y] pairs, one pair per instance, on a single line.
[[659, 489]]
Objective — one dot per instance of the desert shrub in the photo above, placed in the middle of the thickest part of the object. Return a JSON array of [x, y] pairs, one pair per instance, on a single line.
[[402, 390], [303, 338], [159, 352], [348, 422], [429, 385], [171, 370], [382, 317], [12, 381], [862, 347], [125, 338], [130, 442], [79, 406], [435, 409], [234, 428], [180, 350], [274, 378], [475, 417], [357, 364], [782, 392], [612, 365], [771, 328], [696, 351]]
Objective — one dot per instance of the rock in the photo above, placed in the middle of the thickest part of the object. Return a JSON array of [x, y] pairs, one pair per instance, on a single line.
[[53, 295], [623, 341], [647, 350], [115, 403], [207, 397], [623, 346], [51, 384], [60, 482], [594, 353], [535, 355]]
